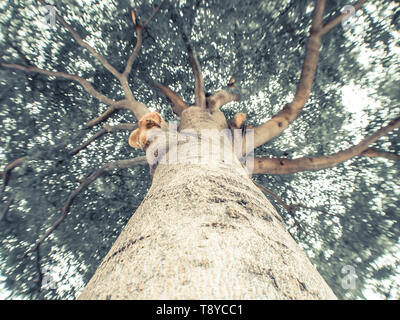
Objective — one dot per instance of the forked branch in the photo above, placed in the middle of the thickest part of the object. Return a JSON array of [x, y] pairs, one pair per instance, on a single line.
[[290, 111], [139, 30], [138, 108]]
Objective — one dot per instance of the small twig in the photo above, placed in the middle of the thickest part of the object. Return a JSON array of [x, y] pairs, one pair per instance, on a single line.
[[39, 280], [7, 208], [153, 14]]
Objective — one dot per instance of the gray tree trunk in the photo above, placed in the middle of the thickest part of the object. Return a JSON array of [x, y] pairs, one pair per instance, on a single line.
[[205, 231]]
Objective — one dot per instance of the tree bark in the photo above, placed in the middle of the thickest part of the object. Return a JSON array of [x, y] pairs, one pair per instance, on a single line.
[[205, 231]]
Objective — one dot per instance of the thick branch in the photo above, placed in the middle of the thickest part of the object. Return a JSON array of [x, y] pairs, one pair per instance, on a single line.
[[178, 105], [103, 131], [221, 98], [290, 111], [265, 165], [316, 24], [121, 164], [200, 97]]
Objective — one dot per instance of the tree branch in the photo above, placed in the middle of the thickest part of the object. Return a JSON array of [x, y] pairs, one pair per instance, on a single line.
[[178, 105], [103, 131], [200, 97], [138, 108], [220, 98], [121, 104], [39, 279], [7, 171], [84, 44], [83, 82], [120, 164], [3, 215], [265, 165], [372, 152], [333, 23], [290, 111], [139, 30]]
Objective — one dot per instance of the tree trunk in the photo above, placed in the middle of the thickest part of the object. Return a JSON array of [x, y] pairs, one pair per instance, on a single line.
[[205, 231]]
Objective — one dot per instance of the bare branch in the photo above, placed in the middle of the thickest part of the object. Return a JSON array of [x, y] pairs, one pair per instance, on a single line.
[[316, 24], [3, 215], [39, 279], [103, 131], [103, 117], [7, 171], [290, 111], [153, 14], [132, 57], [221, 98], [372, 152], [84, 44], [333, 23], [121, 164], [265, 165], [83, 82], [178, 105], [138, 108], [200, 96]]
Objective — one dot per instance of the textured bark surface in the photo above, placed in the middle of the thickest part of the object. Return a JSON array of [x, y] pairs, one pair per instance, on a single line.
[[205, 231]]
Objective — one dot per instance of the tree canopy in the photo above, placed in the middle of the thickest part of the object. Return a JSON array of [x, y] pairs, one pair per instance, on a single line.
[[347, 215]]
